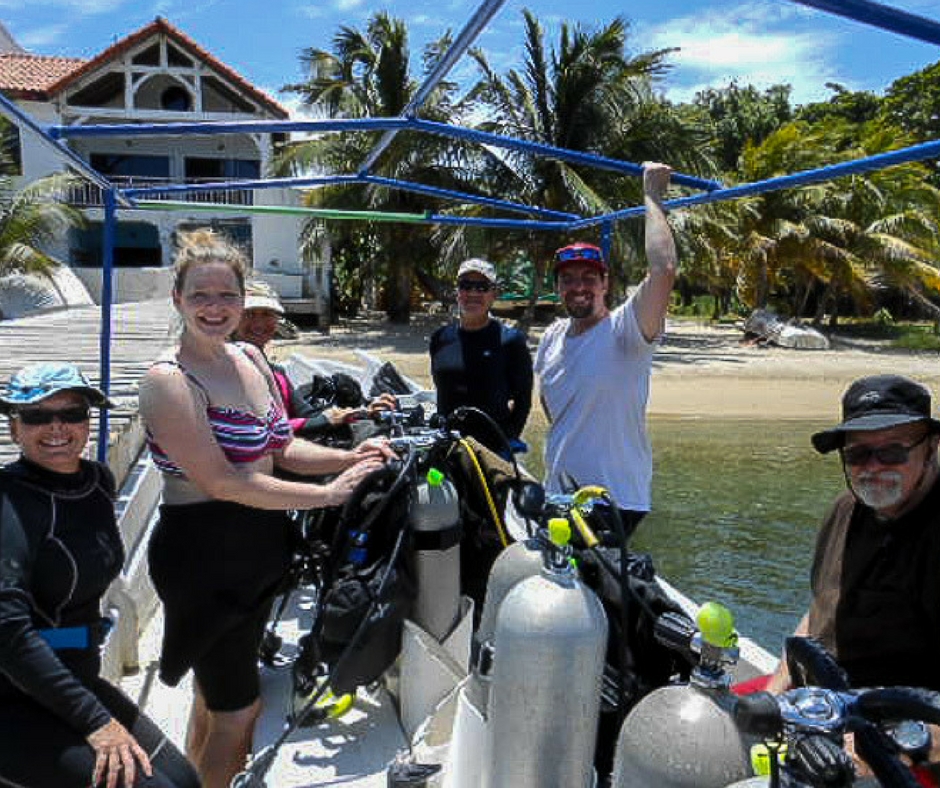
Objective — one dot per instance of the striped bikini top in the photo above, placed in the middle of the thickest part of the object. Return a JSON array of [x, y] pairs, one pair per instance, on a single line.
[[242, 435]]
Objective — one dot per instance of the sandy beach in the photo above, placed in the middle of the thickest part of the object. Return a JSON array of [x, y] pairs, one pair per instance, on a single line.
[[700, 370]]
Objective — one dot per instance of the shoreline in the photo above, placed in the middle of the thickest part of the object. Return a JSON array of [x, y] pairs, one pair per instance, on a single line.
[[699, 370]]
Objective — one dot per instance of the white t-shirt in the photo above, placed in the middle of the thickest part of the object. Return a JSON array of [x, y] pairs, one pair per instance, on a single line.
[[596, 386]]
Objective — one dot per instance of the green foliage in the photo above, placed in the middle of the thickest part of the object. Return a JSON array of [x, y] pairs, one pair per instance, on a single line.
[[913, 103], [742, 116], [855, 107]]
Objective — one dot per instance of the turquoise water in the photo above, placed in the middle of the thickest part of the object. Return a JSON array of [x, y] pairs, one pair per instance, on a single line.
[[736, 505]]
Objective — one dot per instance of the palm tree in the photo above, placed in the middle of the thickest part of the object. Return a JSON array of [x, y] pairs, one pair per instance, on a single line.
[[367, 74], [587, 94], [31, 218]]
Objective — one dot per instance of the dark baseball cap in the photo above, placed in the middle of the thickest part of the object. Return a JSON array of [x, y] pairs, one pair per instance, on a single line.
[[580, 254], [876, 403]]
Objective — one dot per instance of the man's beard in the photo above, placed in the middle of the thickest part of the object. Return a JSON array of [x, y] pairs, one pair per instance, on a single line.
[[879, 491], [579, 309]]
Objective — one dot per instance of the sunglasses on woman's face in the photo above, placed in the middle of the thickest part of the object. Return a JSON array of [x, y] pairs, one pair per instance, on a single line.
[[474, 285], [38, 417], [889, 454]]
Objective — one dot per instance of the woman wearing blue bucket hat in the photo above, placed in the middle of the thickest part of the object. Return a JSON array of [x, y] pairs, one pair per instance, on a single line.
[[60, 549]]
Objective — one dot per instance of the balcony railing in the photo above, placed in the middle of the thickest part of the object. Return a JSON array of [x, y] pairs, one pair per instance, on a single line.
[[89, 195]]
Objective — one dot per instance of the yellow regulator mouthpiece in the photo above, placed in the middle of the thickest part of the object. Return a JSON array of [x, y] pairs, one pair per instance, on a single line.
[[559, 531], [716, 624]]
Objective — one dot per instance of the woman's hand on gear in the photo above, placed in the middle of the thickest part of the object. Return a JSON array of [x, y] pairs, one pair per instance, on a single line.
[[116, 752], [341, 487], [383, 402], [337, 416], [373, 448]]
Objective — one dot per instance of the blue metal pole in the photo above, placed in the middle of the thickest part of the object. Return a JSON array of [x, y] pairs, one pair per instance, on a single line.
[[107, 295], [434, 191], [375, 124], [20, 118], [461, 44], [210, 128], [881, 16], [551, 152], [607, 239], [880, 161]]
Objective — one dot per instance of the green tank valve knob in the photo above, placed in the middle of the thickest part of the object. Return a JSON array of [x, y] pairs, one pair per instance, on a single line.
[[716, 624], [435, 477], [559, 531]]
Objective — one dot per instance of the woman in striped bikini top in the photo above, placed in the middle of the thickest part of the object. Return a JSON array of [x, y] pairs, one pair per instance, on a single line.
[[242, 436]]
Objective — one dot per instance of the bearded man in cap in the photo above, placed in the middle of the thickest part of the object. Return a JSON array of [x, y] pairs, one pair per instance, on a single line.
[[594, 366], [876, 572]]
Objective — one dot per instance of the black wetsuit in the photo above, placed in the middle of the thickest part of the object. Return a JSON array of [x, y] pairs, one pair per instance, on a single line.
[[485, 369], [59, 551]]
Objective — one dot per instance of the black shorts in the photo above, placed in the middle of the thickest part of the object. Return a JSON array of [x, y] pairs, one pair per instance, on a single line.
[[217, 566]]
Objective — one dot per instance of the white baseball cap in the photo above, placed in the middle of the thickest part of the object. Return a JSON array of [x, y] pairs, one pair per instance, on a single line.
[[477, 266], [260, 295]]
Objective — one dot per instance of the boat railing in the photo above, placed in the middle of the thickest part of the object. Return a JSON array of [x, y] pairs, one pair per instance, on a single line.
[[84, 194], [131, 600]]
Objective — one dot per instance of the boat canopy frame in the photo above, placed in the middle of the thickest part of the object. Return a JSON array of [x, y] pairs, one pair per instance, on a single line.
[[709, 191]]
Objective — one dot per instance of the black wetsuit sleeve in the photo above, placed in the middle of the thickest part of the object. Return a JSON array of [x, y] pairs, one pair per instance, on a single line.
[[445, 396], [520, 382], [25, 658]]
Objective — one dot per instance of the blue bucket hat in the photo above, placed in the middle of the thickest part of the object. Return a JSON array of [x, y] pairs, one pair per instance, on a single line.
[[37, 382]]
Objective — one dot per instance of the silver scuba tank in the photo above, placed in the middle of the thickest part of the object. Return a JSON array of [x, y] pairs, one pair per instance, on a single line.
[[516, 562], [435, 519], [684, 736], [549, 644]]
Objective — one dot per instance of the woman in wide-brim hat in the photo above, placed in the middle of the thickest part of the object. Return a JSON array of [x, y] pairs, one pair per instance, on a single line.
[[63, 725]]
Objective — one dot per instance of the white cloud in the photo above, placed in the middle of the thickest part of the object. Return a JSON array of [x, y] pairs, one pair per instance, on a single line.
[[39, 38], [751, 43]]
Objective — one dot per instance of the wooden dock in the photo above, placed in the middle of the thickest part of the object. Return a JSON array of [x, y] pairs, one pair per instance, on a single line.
[[140, 332]]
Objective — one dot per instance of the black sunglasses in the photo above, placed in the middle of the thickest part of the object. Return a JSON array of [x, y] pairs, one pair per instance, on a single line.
[[37, 416], [890, 454], [474, 285]]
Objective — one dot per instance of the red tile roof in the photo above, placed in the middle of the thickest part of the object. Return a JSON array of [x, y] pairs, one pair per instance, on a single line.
[[25, 76], [39, 77], [160, 25]]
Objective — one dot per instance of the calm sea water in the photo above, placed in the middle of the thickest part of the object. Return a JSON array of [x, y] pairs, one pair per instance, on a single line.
[[736, 505]]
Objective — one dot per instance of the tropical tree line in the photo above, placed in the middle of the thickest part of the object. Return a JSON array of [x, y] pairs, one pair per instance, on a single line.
[[844, 247], [847, 246]]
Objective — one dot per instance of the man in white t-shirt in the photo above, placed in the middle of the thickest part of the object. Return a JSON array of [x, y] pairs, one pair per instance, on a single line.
[[594, 366]]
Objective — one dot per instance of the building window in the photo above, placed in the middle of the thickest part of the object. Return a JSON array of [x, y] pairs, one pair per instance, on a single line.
[[176, 99], [136, 245], [204, 169], [131, 165]]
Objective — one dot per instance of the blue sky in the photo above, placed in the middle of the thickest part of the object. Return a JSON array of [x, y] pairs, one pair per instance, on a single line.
[[761, 42]]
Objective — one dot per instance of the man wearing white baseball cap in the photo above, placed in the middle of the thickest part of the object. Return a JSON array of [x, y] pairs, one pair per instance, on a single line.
[[480, 362]]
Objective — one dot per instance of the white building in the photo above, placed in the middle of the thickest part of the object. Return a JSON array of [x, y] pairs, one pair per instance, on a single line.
[[158, 74]]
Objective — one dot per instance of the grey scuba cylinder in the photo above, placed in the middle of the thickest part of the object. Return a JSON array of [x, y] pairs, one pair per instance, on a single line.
[[516, 562], [435, 519], [549, 643], [684, 736]]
